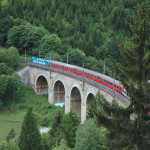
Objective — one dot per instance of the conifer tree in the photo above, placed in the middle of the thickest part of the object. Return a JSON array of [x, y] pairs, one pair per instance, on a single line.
[[69, 130], [30, 138], [11, 135], [55, 136], [55, 127], [129, 127]]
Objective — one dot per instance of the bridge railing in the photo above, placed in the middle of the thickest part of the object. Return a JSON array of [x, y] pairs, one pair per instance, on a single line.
[[112, 92]]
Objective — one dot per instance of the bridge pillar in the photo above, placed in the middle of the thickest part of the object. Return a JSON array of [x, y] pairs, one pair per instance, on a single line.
[[83, 110], [67, 104]]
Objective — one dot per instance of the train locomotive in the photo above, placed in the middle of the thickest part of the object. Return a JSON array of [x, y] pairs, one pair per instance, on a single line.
[[98, 77]]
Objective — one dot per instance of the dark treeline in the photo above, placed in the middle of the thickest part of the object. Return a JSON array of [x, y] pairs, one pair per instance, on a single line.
[[78, 27]]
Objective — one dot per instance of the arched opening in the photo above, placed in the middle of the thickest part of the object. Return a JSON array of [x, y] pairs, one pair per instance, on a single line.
[[88, 101], [75, 101], [59, 93], [41, 85]]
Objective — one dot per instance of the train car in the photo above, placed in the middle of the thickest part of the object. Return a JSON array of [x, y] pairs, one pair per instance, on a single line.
[[40, 61], [98, 77]]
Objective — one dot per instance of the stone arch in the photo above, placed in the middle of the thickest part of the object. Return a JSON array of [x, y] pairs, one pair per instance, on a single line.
[[58, 89], [75, 97], [58, 92], [90, 93], [41, 84], [89, 100]]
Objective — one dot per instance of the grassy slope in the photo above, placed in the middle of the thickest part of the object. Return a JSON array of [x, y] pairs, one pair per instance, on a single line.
[[41, 107]]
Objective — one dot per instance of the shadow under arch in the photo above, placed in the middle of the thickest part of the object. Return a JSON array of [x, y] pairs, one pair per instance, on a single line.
[[89, 100], [41, 85], [58, 92], [75, 101]]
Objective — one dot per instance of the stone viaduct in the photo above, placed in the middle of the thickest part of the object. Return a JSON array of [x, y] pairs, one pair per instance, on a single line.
[[65, 87]]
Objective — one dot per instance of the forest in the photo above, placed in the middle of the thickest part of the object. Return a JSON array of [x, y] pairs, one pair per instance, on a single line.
[[110, 33], [86, 30]]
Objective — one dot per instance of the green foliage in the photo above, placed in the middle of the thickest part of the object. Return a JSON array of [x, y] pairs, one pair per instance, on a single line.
[[4, 69], [56, 138], [45, 141], [54, 134], [56, 123], [30, 137], [63, 127], [3, 82], [87, 137], [26, 97], [75, 119], [5, 25], [92, 63], [11, 135], [10, 81], [26, 37], [68, 129], [10, 56], [50, 43], [61, 146], [76, 57], [44, 113], [8, 146], [84, 25], [125, 129], [54, 56]]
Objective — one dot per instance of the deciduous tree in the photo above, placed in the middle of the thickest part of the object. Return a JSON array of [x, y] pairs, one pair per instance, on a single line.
[[87, 137]]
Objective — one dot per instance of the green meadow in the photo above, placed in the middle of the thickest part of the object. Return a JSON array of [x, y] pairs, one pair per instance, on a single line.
[[13, 120]]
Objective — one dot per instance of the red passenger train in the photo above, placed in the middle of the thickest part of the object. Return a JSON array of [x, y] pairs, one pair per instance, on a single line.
[[97, 77]]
